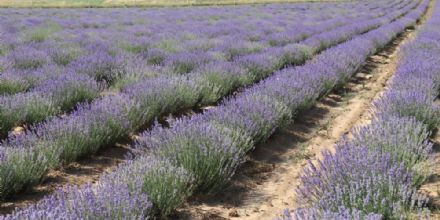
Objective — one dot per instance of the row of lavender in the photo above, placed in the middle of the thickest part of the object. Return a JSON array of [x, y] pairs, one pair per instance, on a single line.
[[56, 92], [376, 174], [25, 56], [267, 26], [201, 153], [144, 37], [26, 158]]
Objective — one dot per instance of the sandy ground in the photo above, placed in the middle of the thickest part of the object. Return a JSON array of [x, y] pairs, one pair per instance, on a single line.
[[265, 185], [431, 188]]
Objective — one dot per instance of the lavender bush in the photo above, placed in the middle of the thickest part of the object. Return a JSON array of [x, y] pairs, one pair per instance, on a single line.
[[29, 107], [211, 156], [126, 193], [404, 138], [410, 103], [27, 57], [341, 213], [87, 202], [55, 95], [11, 84], [166, 185], [358, 178]]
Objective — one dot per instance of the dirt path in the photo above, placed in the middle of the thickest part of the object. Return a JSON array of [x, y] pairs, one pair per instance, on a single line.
[[431, 188], [264, 186]]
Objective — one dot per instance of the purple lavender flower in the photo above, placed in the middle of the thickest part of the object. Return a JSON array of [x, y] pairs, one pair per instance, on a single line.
[[27, 57], [404, 138], [341, 213], [11, 83], [186, 62], [101, 65], [103, 202], [167, 186], [410, 103], [69, 89], [211, 157], [356, 177]]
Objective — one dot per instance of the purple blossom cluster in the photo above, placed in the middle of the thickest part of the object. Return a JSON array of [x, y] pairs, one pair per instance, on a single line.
[[341, 213], [89, 202], [403, 137], [359, 178], [377, 172], [145, 96], [53, 96], [125, 193]]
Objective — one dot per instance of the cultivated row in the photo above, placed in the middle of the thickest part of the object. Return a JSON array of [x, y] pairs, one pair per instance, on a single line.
[[376, 174], [57, 93], [26, 158]]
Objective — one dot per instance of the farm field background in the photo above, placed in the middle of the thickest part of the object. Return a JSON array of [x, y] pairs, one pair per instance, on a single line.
[[181, 101], [131, 3]]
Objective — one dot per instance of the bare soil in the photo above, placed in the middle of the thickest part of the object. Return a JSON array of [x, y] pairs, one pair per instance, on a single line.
[[431, 188], [265, 185]]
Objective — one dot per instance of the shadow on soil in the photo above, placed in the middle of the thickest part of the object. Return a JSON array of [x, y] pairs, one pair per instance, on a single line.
[[293, 138], [264, 159]]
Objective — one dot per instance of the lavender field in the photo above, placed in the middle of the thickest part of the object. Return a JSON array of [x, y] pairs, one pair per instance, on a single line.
[[135, 3], [192, 92]]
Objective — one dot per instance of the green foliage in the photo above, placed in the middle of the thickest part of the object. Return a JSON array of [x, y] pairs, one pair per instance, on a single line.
[[41, 33], [167, 186], [12, 87], [25, 167]]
